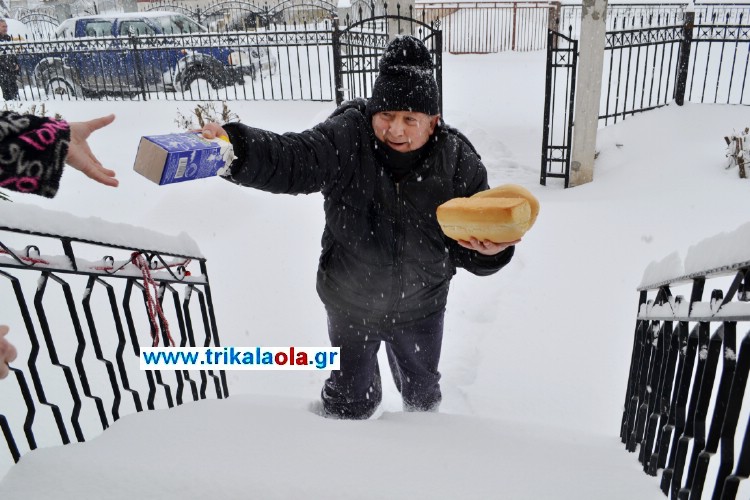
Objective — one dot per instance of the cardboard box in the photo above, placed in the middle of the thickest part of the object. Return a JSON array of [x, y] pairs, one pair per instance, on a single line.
[[171, 158]]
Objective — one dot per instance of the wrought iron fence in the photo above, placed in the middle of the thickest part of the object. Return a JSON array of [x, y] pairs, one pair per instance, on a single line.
[[358, 45], [314, 61], [80, 311], [284, 62], [640, 68], [644, 15], [650, 67], [488, 27], [687, 384], [719, 60], [39, 23], [559, 97]]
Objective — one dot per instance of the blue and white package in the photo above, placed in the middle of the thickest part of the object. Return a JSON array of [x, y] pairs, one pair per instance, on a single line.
[[171, 158]]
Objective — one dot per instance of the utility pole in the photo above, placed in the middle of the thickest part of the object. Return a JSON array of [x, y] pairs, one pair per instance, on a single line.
[[588, 91]]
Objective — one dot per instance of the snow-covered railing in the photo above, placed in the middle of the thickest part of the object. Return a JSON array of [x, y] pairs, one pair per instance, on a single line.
[[80, 295], [688, 379]]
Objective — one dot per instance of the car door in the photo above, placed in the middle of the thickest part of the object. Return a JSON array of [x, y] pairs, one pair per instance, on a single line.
[[146, 63], [102, 66]]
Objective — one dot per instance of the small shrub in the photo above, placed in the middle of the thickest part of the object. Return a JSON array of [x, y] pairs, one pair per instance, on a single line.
[[205, 113], [738, 150]]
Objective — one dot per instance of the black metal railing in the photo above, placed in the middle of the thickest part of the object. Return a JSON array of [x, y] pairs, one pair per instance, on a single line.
[[79, 312], [559, 97], [489, 27], [647, 68], [359, 43], [284, 62], [322, 61], [640, 69], [652, 15], [686, 388]]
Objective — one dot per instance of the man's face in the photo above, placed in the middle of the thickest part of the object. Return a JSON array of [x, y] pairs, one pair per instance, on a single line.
[[404, 131], [3, 28]]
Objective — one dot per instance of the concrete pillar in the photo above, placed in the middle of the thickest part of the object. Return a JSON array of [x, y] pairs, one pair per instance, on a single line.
[[588, 91]]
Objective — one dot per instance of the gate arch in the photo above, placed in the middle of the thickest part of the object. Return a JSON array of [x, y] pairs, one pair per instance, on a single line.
[[41, 25], [358, 46]]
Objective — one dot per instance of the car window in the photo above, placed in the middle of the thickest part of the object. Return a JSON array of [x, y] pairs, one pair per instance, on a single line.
[[98, 27], [138, 27], [173, 25]]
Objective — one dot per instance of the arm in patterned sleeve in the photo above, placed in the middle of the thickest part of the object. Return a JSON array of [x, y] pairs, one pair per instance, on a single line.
[[32, 153]]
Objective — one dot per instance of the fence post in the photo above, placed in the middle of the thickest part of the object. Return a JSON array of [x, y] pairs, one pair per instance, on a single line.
[[513, 38], [553, 20], [338, 80], [439, 65], [683, 58], [138, 65]]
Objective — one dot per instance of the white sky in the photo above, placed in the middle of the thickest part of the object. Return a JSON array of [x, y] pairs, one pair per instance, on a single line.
[[535, 359]]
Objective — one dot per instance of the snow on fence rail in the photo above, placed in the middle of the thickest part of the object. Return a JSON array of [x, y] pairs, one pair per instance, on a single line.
[[686, 405], [76, 294]]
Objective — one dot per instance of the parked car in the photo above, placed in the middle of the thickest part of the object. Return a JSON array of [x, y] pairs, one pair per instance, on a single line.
[[162, 62]]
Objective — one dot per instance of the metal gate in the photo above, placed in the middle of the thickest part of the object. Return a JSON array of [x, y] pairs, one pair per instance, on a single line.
[[559, 98], [490, 27], [40, 25], [644, 69], [357, 49]]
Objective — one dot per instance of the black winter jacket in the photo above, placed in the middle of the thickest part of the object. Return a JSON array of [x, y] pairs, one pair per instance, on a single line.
[[384, 256], [8, 60]]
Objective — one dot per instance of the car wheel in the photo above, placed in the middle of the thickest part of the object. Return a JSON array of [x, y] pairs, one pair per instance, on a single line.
[[61, 87], [203, 79]]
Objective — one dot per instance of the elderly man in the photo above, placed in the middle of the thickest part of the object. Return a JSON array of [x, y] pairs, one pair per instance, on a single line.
[[383, 166], [8, 67]]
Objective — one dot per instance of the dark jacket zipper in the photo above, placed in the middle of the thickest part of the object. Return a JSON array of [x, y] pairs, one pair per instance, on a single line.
[[397, 255]]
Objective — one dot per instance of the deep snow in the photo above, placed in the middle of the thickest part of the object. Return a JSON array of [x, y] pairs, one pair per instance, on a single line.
[[535, 358]]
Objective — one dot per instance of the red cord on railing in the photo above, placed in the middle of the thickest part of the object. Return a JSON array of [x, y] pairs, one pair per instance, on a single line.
[[28, 259], [153, 306]]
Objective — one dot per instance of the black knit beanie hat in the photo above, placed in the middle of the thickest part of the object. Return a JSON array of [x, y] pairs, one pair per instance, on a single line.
[[405, 81]]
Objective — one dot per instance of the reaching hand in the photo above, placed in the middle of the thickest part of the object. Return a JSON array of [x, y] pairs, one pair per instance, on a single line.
[[7, 352], [486, 247], [213, 130], [80, 156]]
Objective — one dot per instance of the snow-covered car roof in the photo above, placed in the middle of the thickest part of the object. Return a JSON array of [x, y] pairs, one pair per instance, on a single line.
[[68, 24]]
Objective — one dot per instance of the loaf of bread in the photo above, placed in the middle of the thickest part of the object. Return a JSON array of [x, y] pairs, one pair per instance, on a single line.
[[501, 215]]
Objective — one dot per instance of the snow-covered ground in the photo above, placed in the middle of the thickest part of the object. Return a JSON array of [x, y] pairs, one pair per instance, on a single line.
[[535, 358]]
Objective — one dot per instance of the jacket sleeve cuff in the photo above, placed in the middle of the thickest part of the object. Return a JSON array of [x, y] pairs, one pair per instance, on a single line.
[[239, 144], [483, 265]]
